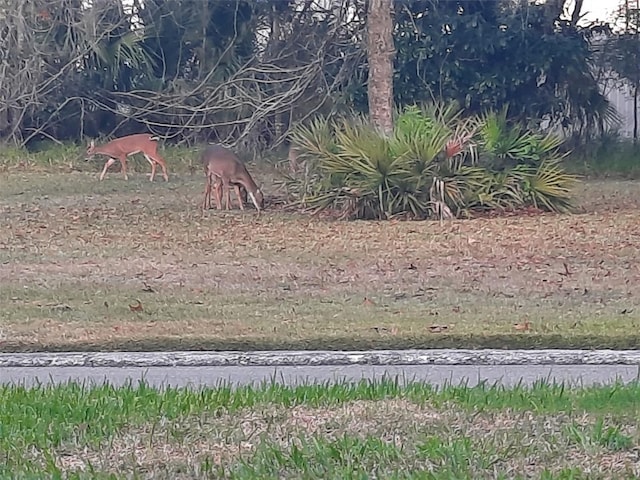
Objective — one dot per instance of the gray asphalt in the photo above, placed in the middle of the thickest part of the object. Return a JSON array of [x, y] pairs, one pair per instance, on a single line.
[[507, 375]]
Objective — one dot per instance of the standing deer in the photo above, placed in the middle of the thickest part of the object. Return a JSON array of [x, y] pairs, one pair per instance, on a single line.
[[224, 169], [124, 147]]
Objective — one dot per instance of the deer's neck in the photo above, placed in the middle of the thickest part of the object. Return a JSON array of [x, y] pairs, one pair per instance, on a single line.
[[249, 184]]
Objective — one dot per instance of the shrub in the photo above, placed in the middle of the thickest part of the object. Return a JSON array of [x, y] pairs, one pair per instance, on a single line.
[[436, 163]]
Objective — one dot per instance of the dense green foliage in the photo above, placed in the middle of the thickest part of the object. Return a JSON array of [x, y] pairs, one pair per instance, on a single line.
[[436, 163], [248, 72], [487, 54]]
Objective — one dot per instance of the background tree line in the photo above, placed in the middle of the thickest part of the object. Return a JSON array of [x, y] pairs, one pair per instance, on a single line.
[[245, 72]]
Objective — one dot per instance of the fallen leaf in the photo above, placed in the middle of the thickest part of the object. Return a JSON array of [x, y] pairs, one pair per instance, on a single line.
[[438, 328], [392, 330], [61, 307], [136, 308], [366, 301]]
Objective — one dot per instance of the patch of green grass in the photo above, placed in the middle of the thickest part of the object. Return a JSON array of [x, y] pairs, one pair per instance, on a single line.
[[609, 157], [344, 457], [599, 435], [85, 313], [344, 430], [68, 157], [459, 456], [153, 343], [546, 398]]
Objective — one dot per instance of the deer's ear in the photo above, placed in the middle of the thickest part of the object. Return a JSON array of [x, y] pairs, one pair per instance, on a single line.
[[92, 143]]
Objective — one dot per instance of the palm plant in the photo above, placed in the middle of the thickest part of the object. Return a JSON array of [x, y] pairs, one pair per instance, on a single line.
[[113, 48], [118, 55], [435, 163]]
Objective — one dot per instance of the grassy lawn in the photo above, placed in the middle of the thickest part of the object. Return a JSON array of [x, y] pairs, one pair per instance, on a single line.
[[136, 265], [339, 431]]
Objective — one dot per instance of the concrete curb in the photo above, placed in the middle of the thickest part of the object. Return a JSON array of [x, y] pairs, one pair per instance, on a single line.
[[323, 357]]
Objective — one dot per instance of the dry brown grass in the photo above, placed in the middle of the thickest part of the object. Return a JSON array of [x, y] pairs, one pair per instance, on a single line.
[[76, 253], [430, 438]]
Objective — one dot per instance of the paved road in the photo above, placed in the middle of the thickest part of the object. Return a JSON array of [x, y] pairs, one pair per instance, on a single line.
[[238, 375]]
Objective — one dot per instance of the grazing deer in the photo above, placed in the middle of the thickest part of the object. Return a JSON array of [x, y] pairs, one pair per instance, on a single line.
[[124, 147], [216, 186], [223, 170]]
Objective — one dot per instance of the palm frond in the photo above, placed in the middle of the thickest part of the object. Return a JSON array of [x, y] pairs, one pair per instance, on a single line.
[[551, 188]]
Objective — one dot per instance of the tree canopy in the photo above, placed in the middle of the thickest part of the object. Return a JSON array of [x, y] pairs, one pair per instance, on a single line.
[[246, 72]]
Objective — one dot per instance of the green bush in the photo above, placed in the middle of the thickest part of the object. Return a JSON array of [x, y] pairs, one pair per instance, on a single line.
[[436, 163], [609, 155]]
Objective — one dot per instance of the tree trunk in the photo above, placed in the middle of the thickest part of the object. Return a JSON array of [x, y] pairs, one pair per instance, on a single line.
[[381, 52]]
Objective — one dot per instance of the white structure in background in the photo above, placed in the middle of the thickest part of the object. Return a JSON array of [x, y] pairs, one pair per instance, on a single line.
[[621, 97]]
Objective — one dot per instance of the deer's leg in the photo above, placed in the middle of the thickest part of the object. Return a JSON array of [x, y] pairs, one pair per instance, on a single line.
[[109, 162], [123, 162], [153, 167], [236, 187], [226, 187], [163, 165], [207, 194], [228, 199], [217, 186], [212, 187], [214, 183]]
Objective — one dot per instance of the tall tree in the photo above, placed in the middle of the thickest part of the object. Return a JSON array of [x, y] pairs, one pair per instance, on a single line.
[[624, 52], [381, 52], [487, 54]]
